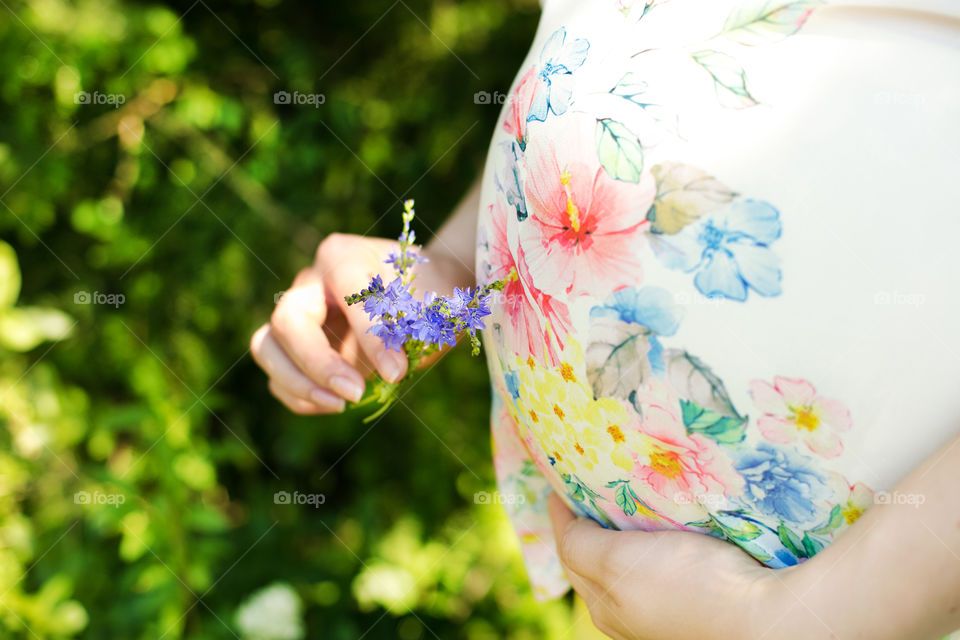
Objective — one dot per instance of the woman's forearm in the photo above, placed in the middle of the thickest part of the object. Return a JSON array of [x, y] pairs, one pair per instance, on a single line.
[[453, 248], [894, 574]]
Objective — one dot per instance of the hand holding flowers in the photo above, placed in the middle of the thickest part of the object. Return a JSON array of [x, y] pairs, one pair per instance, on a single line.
[[417, 328], [317, 349]]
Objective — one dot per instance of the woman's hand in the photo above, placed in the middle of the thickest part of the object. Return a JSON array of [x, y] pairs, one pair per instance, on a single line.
[[658, 585], [315, 349]]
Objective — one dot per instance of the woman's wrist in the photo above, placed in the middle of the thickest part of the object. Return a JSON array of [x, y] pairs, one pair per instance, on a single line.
[[443, 271]]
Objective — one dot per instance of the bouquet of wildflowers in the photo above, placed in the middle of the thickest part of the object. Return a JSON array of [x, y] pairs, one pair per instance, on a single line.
[[418, 328]]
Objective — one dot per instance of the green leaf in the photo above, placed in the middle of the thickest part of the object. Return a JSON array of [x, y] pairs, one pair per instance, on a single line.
[[619, 149], [729, 78], [764, 21], [790, 540], [684, 193], [694, 380], [9, 276], [723, 429]]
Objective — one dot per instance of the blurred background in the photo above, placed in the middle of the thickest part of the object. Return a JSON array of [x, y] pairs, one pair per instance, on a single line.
[[165, 169]]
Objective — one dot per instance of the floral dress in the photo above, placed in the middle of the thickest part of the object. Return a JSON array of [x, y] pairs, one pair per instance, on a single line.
[[727, 230]]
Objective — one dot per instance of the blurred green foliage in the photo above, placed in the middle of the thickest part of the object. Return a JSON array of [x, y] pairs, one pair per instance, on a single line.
[[158, 199]]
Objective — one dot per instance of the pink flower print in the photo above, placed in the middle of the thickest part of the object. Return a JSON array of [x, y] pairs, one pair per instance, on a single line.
[[522, 301], [585, 229], [519, 108], [792, 409], [679, 467], [853, 499]]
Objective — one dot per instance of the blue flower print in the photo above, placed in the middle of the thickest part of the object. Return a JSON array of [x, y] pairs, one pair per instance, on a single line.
[[782, 483], [558, 60], [512, 189], [729, 251], [512, 381], [650, 307]]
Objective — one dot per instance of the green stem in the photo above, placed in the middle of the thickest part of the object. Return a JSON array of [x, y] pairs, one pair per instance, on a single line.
[[384, 393]]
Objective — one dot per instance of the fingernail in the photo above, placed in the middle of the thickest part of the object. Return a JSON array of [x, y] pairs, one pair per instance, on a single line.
[[349, 389], [390, 366], [327, 399]]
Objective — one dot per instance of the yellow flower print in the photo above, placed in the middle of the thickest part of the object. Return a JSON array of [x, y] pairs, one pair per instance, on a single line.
[[559, 409]]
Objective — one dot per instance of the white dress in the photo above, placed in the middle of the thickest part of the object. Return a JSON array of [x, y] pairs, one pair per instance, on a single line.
[[728, 232]]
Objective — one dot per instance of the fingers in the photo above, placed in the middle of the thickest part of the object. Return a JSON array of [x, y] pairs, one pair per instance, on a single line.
[[289, 384], [297, 327], [345, 270], [582, 544], [578, 543], [304, 407]]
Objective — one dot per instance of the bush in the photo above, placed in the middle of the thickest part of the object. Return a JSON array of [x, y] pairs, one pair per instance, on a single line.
[[159, 199]]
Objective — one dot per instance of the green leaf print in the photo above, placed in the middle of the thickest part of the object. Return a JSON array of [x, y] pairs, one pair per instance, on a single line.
[[729, 78], [811, 546], [684, 193], [619, 149], [624, 500], [763, 21], [746, 532], [587, 497], [833, 522], [740, 529], [631, 88], [723, 429], [791, 541], [695, 381]]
